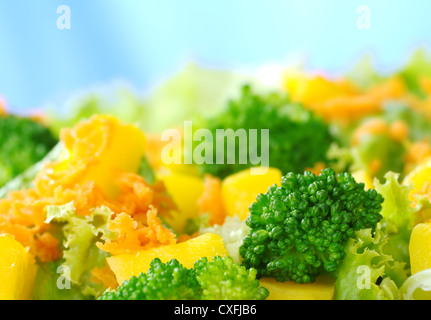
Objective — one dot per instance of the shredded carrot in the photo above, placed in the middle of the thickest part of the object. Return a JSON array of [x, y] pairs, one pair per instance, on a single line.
[[375, 165], [211, 200], [79, 176], [317, 168], [47, 247], [425, 84], [339, 100], [399, 131], [185, 237], [105, 276], [132, 235], [370, 127]]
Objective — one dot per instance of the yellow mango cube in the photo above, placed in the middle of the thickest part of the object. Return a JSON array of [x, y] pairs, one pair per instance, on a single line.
[[322, 289], [185, 190], [420, 247], [187, 253], [101, 147], [419, 177], [17, 270], [240, 190], [364, 177]]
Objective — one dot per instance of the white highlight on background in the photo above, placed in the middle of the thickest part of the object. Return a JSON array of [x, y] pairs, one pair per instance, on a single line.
[[364, 19], [64, 21]]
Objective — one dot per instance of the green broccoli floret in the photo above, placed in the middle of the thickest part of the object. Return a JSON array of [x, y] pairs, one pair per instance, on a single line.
[[220, 279], [299, 229], [163, 281], [23, 143], [297, 138]]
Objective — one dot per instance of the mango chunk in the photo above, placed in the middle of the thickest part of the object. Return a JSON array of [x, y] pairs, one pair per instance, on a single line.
[[99, 148], [420, 176], [187, 253], [185, 190], [240, 190], [420, 247], [322, 289], [17, 270], [364, 177]]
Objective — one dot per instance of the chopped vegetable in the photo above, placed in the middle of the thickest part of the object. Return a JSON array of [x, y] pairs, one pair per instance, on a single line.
[[240, 190], [299, 229], [23, 143], [187, 253], [322, 289], [420, 247], [17, 270], [297, 140], [219, 279]]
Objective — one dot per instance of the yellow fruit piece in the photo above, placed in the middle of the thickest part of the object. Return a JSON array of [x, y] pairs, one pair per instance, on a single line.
[[102, 146], [322, 289], [187, 253], [240, 190], [420, 177], [420, 247], [17, 270], [309, 90], [185, 191], [364, 177]]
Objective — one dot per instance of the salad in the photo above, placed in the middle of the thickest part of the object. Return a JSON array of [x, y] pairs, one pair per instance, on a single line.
[[217, 186]]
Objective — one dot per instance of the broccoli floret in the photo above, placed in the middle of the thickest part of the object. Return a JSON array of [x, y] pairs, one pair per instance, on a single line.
[[299, 229], [222, 279], [163, 281], [23, 143], [215, 280], [297, 138]]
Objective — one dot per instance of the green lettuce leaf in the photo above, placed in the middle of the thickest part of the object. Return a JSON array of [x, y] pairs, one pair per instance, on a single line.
[[398, 216], [46, 284], [418, 286], [80, 253], [419, 65], [380, 147], [367, 273]]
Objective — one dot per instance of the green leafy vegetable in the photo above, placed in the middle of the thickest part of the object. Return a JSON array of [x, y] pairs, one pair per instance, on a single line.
[[299, 229], [297, 138], [220, 279], [80, 254], [379, 147], [367, 273], [23, 143], [398, 216]]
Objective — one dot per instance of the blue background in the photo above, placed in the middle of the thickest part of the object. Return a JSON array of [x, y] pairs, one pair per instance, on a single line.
[[143, 41]]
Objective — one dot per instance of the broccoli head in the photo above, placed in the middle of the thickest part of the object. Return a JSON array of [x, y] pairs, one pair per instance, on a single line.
[[163, 281], [220, 279], [297, 138], [23, 143], [299, 229]]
